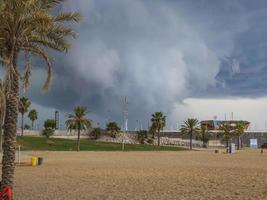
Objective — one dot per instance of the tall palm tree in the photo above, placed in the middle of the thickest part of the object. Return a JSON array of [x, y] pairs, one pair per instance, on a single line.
[[204, 135], [2, 110], [227, 133], [28, 27], [113, 128], [24, 105], [159, 122], [33, 116], [190, 126], [239, 131], [79, 122]]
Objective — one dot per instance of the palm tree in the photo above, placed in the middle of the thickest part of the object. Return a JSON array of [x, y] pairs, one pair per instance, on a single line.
[[24, 105], [239, 131], [33, 116], [204, 136], [227, 133], [158, 121], [29, 28], [113, 128], [152, 130], [190, 126], [2, 110], [79, 122]]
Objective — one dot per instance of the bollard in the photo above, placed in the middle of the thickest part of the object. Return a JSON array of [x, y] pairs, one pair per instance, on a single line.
[[34, 161], [40, 160]]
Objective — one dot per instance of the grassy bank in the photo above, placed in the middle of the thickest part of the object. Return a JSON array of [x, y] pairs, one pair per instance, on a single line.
[[56, 144]]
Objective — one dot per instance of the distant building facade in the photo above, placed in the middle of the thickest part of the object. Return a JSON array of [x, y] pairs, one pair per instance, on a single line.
[[216, 124]]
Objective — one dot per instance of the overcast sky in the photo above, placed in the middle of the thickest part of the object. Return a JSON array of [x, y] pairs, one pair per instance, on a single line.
[[186, 58]]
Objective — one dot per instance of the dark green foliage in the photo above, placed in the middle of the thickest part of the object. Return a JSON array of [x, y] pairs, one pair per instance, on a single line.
[[48, 132], [204, 136], [227, 133], [79, 121], [27, 127], [49, 127], [95, 133], [142, 135], [50, 123], [113, 128], [158, 123], [190, 127]]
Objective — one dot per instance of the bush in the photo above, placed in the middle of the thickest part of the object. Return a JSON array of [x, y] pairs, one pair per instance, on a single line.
[[95, 133], [113, 128], [141, 136], [50, 123], [27, 127], [49, 127], [150, 141], [48, 132]]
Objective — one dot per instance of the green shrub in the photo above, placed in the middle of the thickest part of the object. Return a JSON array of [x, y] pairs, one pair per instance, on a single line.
[[49, 127], [150, 141], [50, 123], [113, 129], [142, 135], [27, 127], [48, 132], [95, 133]]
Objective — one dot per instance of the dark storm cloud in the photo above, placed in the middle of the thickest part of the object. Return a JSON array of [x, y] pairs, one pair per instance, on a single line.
[[157, 53]]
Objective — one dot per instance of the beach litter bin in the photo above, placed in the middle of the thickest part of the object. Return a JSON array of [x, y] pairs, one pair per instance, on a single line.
[[34, 161], [40, 160]]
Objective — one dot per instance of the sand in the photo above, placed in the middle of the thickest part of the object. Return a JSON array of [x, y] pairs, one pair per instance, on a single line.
[[144, 175]]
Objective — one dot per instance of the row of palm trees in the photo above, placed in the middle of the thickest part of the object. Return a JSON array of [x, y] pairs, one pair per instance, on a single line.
[[192, 127], [24, 106], [27, 28]]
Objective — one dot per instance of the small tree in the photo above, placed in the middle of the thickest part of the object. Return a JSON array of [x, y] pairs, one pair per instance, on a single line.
[[27, 127], [113, 128], [158, 122], [95, 133], [79, 121], [49, 127], [142, 135], [24, 105], [204, 136], [33, 116], [190, 127], [227, 133], [239, 131]]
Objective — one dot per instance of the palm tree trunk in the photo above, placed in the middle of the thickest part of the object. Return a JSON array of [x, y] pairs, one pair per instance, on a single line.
[[191, 136], [32, 124], [1, 136], [10, 129], [158, 138], [22, 123], [238, 143], [227, 146], [78, 141]]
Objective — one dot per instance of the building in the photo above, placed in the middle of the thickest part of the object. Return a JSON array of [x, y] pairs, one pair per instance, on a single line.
[[216, 124]]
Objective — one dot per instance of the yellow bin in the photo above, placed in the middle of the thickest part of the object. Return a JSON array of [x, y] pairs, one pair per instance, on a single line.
[[34, 161]]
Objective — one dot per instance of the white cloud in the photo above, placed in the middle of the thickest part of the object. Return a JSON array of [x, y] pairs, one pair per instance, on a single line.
[[252, 110]]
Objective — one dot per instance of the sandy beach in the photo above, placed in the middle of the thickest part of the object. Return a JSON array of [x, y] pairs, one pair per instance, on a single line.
[[144, 175]]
